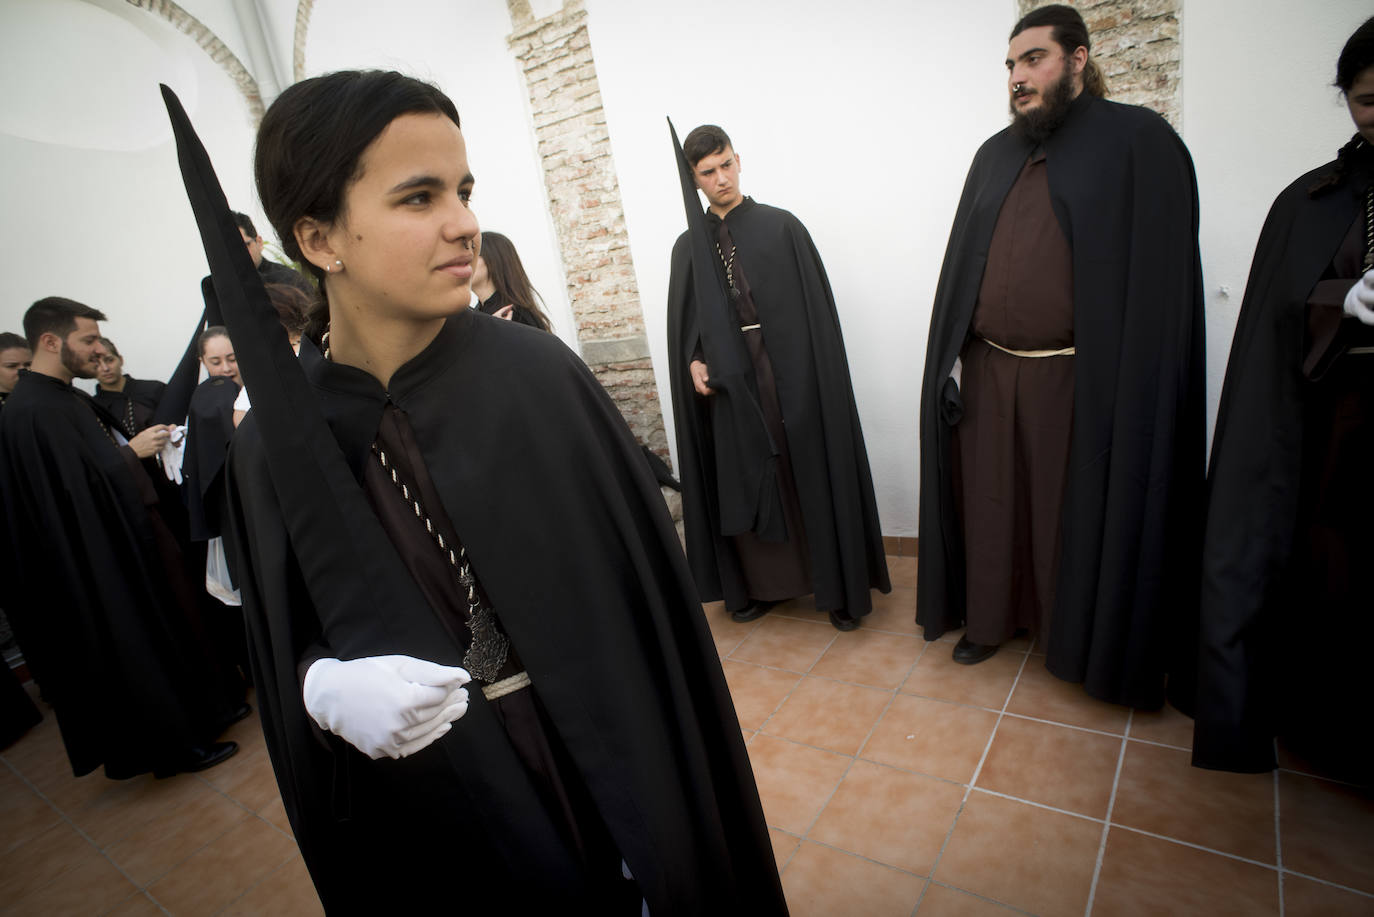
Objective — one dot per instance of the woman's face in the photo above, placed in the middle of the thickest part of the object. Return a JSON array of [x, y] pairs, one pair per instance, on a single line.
[[1360, 100], [407, 235], [218, 357], [110, 369]]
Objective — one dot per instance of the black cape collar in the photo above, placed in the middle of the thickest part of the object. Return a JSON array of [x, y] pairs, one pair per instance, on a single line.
[[352, 399], [738, 210]]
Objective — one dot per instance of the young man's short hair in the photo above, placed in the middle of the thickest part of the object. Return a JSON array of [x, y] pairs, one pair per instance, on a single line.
[[56, 315], [704, 141], [245, 223]]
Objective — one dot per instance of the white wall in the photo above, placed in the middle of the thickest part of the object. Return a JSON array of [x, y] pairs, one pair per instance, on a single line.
[[1258, 111], [92, 201], [861, 119], [461, 47]]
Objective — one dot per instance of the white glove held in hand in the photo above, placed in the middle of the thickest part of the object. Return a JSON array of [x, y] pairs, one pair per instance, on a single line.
[[172, 452], [1359, 302], [389, 706]]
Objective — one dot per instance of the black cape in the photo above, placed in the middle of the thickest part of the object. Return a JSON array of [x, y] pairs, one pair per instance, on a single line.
[[829, 460], [209, 427], [581, 561], [1255, 477], [144, 393], [120, 654], [1123, 188]]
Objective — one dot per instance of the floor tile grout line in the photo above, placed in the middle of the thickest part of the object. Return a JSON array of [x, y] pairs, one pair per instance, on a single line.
[[987, 747], [1335, 780], [1344, 888], [261, 879], [73, 825], [1278, 841], [968, 788], [854, 757], [964, 891], [1107, 826], [1040, 805], [1100, 732], [1183, 843]]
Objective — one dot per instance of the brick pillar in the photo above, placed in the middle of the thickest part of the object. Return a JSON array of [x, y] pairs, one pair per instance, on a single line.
[[584, 201], [1136, 43]]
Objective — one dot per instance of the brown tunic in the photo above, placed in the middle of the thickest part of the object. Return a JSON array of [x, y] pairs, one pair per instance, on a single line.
[[1013, 440], [772, 571], [551, 768]]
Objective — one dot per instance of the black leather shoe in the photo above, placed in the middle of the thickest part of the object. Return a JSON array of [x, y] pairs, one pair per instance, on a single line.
[[240, 714], [843, 622], [199, 758], [966, 652], [752, 612]]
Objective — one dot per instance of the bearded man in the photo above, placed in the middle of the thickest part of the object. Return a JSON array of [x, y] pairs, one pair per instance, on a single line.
[[99, 601], [1062, 418]]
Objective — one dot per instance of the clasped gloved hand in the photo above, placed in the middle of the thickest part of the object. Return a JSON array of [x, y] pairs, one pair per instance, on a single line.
[[1359, 302], [385, 706], [172, 452]]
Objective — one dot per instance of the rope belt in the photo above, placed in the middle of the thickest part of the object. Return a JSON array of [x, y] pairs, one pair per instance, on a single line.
[[506, 686], [1034, 354], [750, 327], [1355, 350]]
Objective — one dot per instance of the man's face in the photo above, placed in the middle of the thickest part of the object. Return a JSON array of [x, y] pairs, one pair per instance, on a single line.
[[81, 350], [717, 176], [13, 359], [1042, 80], [254, 244]]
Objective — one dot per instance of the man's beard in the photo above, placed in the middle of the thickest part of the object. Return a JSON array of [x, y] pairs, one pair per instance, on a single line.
[[77, 369], [1038, 123]]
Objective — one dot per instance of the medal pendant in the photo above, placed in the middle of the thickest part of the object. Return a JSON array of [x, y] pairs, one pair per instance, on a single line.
[[487, 652]]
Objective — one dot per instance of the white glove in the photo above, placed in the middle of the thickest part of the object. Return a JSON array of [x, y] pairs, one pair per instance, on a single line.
[[389, 706], [171, 454], [1359, 302], [957, 373]]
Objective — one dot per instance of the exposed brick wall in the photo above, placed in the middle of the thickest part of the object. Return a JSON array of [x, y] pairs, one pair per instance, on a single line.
[[196, 30], [584, 202], [1136, 43]]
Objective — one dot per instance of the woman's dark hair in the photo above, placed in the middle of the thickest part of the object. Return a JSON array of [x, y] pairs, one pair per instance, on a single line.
[[1356, 57], [108, 344], [508, 275], [9, 339], [311, 141], [1070, 32], [214, 331], [292, 305]]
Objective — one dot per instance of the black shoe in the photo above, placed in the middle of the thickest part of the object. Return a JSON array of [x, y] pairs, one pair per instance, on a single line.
[[752, 612], [966, 652], [843, 622], [240, 714], [198, 758]]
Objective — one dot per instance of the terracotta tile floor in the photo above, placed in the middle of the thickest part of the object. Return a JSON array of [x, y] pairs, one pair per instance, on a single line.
[[893, 781]]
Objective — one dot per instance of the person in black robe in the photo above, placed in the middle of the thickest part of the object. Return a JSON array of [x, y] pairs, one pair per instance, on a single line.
[[502, 286], [1123, 194], [14, 356], [399, 512], [107, 624], [269, 270], [1289, 507], [18, 713], [133, 402], [777, 496]]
